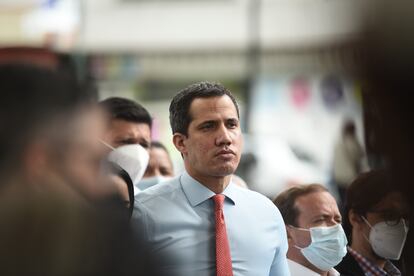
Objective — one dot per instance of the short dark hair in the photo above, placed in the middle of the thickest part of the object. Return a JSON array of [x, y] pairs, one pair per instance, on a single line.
[[180, 117], [158, 145], [286, 201], [366, 191], [127, 110], [31, 98]]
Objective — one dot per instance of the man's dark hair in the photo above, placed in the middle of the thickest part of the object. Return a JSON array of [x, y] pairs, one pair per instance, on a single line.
[[31, 98], [286, 201], [180, 117], [158, 145], [366, 191], [127, 110]]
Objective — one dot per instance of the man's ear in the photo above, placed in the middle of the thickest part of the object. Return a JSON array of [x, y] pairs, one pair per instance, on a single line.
[[289, 235], [179, 142], [355, 219]]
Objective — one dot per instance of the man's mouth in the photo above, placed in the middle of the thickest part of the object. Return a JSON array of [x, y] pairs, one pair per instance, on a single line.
[[225, 152]]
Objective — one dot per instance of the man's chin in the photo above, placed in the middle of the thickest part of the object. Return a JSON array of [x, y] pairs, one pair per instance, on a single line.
[[225, 171], [377, 256]]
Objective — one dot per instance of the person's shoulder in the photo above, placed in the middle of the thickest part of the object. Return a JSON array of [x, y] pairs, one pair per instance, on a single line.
[[162, 190], [297, 269], [255, 196], [258, 200], [349, 266]]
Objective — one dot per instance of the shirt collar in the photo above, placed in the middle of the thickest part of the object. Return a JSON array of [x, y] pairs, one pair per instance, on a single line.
[[232, 192], [197, 193]]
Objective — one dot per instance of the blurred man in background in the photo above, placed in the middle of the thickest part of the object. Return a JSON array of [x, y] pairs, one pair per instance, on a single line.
[[160, 167], [129, 123], [128, 129], [316, 239]]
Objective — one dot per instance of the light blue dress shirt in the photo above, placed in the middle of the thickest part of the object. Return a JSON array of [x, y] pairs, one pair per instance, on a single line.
[[178, 220]]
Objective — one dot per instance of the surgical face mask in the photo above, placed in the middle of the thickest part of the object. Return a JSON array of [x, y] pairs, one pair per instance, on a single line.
[[387, 239], [132, 158], [327, 248], [151, 181]]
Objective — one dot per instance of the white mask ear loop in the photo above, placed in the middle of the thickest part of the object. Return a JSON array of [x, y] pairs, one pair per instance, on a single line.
[[370, 226], [405, 225], [106, 144], [366, 221], [301, 229]]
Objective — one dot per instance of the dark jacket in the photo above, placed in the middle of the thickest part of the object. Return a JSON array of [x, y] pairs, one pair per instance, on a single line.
[[349, 267]]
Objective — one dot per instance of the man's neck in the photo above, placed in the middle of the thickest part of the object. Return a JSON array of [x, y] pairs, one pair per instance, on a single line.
[[216, 184], [295, 255], [366, 251]]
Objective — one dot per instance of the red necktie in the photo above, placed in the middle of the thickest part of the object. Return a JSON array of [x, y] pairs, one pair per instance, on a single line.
[[223, 257]]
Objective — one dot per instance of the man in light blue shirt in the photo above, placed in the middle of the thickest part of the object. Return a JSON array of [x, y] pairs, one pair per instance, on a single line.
[[178, 217]]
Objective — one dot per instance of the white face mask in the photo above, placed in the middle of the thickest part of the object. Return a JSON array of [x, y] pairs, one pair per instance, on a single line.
[[132, 158], [327, 248], [151, 181], [386, 239]]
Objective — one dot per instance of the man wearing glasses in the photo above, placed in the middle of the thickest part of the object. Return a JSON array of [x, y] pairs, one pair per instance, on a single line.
[[377, 217]]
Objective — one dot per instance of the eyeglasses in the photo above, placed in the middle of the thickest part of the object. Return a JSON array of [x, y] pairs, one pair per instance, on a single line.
[[391, 217]]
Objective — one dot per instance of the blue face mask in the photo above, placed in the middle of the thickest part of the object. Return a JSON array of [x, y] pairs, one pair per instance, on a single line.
[[327, 248], [145, 183]]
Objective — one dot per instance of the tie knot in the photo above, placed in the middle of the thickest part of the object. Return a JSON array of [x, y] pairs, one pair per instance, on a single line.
[[218, 200]]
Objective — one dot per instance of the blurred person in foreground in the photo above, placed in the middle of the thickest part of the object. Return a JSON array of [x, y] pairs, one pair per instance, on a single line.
[[382, 58], [212, 226], [49, 133], [316, 239], [377, 217], [53, 221], [160, 166], [128, 137]]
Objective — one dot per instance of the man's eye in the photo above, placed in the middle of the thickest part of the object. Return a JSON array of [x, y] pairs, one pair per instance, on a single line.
[[207, 126], [122, 143], [144, 145], [232, 124], [126, 142], [320, 220], [390, 216], [164, 171]]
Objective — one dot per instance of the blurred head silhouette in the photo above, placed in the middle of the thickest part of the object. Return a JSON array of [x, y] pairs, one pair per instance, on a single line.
[[49, 131]]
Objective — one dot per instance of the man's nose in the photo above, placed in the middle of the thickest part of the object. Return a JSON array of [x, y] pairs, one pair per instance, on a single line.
[[223, 136]]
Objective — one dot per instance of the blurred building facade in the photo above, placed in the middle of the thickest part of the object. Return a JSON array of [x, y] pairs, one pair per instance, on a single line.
[[279, 57]]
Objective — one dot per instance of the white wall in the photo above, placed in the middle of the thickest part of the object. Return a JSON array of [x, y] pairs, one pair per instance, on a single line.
[[111, 24], [182, 25]]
